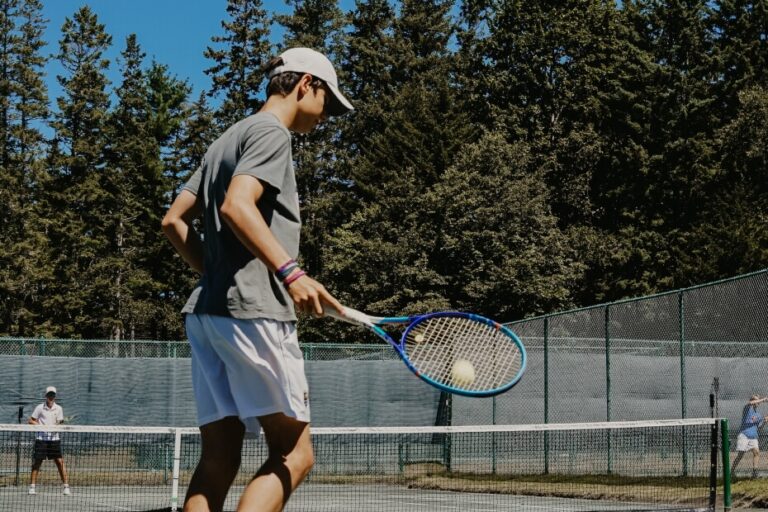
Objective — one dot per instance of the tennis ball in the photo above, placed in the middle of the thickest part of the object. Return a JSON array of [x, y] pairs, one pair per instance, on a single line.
[[419, 338], [463, 373]]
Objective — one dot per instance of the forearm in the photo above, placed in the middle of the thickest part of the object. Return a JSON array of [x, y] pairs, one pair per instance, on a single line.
[[177, 226], [249, 226], [187, 243]]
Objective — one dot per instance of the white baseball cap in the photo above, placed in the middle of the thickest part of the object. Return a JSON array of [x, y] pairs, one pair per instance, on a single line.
[[50, 389], [307, 60]]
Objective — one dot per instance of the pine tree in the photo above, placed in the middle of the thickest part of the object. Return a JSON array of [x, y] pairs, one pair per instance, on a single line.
[[167, 103], [424, 30], [741, 54], [315, 24], [682, 126], [76, 194], [168, 115], [133, 187], [481, 239], [499, 247], [384, 258], [237, 73], [729, 237], [472, 38], [367, 65], [562, 77], [7, 30], [9, 181], [23, 269], [725, 237], [189, 144]]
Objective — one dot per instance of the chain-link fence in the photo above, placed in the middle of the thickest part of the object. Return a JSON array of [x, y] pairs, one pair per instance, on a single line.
[[657, 357]]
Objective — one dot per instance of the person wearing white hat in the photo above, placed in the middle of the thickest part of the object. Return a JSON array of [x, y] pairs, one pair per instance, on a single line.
[[48, 444], [747, 439], [247, 367]]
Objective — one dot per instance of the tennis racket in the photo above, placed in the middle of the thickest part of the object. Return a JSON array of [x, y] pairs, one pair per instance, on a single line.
[[461, 353]]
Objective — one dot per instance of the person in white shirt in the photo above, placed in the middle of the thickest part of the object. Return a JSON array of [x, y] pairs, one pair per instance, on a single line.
[[48, 444]]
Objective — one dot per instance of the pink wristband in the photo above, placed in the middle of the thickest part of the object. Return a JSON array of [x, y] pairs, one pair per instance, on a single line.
[[286, 265], [288, 280]]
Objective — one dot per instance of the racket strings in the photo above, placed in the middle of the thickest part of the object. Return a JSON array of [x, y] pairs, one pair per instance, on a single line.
[[435, 345]]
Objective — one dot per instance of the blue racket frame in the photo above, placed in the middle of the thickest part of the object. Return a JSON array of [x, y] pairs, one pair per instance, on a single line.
[[415, 320]]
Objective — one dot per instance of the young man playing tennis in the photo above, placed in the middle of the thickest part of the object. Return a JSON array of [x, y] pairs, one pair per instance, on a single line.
[[48, 444], [247, 368]]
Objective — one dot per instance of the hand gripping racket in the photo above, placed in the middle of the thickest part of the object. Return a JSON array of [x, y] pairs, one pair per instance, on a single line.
[[461, 353]]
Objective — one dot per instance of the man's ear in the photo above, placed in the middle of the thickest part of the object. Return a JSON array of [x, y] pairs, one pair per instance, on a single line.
[[304, 84]]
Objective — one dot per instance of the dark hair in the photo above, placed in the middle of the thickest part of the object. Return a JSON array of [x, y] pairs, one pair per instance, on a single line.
[[284, 83]]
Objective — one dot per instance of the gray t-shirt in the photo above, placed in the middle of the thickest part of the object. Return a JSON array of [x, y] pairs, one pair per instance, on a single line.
[[236, 283]]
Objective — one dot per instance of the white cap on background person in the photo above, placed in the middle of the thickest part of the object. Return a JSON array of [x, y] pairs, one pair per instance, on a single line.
[[50, 389], [307, 60]]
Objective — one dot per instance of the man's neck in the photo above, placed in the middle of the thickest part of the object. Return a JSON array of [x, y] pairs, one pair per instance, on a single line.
[[282, 108]]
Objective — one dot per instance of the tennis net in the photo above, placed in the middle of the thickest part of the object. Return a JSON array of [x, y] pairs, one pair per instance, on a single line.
[[639, 466]]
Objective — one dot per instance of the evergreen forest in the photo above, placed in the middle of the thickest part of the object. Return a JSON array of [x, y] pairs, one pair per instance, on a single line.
[[505, 157]]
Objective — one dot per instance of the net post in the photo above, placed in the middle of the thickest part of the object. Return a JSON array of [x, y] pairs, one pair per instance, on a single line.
[[18, 459], [176, 463], [713, 453], [493, 437], [18, 448], [447, 446], [726, 455]]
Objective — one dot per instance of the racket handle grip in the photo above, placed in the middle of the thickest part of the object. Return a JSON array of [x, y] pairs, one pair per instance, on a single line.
[[351, 316]]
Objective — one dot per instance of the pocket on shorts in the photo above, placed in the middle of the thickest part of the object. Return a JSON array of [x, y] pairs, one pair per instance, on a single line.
[[289, 339]]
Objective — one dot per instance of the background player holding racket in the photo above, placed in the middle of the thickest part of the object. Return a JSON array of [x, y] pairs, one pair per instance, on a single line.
[[247, 368], [48, 444], [747, 440]]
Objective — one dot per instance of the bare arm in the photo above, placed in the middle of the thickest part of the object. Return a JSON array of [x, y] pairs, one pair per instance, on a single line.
[[177, 226], [32, 421], [242, 216]]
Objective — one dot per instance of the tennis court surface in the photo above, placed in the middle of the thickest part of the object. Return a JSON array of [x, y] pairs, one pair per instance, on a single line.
[[639, 466]]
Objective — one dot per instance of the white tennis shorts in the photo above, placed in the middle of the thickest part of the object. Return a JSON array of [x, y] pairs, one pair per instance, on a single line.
[[246, 368], [745, 444]]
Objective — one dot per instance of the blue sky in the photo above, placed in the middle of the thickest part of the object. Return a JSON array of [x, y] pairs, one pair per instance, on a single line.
[[173, 32]]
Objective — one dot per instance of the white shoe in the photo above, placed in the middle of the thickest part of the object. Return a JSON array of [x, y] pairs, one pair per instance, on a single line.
[[66, 491], [32, 490]]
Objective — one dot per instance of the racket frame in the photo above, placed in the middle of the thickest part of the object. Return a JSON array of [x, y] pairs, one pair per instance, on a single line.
[[374, 323]]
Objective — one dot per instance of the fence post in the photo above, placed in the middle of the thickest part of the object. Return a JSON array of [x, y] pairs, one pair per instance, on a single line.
[[608, 380], [681, 330], [546, 393]]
